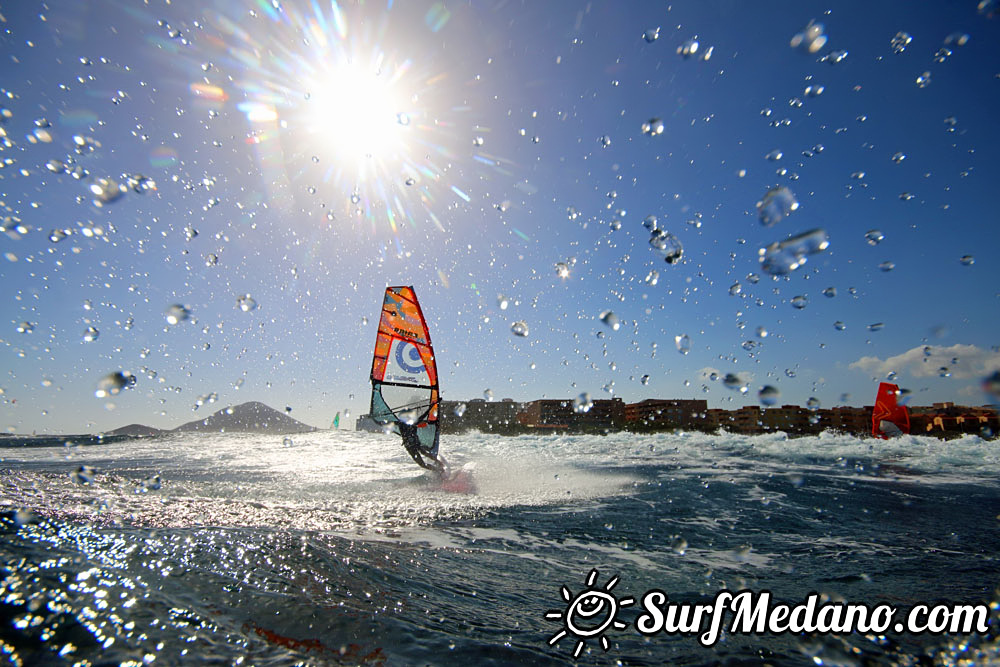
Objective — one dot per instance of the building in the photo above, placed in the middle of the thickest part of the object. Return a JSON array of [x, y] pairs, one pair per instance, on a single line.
[[658, 414], [790, 419], [845, 419], [478, 414], [559, 413]]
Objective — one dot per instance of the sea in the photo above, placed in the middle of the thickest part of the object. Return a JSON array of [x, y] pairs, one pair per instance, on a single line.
[[333, 548]]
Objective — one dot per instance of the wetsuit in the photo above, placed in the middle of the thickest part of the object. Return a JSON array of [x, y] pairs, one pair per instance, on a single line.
[[411, 441]]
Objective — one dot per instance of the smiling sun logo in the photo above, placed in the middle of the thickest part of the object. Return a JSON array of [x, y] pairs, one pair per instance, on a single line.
[[589, 613]]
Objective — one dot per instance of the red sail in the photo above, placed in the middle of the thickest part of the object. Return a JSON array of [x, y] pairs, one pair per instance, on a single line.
[[888, 416]]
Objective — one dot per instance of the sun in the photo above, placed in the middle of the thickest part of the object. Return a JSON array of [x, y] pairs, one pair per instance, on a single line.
[[589, 613], [356, 113]]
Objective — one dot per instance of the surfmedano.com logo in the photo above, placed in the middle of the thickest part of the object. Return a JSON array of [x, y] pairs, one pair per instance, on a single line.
[[594, 610], [589, 613]]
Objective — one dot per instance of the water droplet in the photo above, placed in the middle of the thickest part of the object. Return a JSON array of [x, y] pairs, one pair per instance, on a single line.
[[519, 328], [652, 277], [923, 80], [287, 442], [56, 166], [503, 302], [582, 403], [177, 313], [886, 267], [858, 175], [190, 233], [769, 395], [774, 155], [683, 343], [967, 260], [653, 127], [25, 327], [942, 55], [811, 39], [991, 385], [668, 245], [898, 157], [678, 545], [906, 196], [874, 237], [944, 372], [834, 57], [90, 334], [84, 475], [830, 292], [839, 326], [735, 289], [106, 191], [604, 141], [877, 326], [211, 259], [488, 394], [813, 404], [355, 198], [780, 258], [651, 35], [139, 183], [151, 483], [562, 269], [246, 303], [113, 383], [610, 320], [688, 48], [789, 372], [813, 91], [459, 409], [900, 41], [403, 119], [776, 205], [735, 381], [57, 235], [644, 380]]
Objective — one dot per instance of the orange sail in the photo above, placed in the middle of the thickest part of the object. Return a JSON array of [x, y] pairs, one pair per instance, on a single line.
[[404, 375], [888, 416]]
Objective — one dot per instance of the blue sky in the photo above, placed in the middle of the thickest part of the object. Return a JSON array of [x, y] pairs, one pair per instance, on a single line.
[[308, 154]]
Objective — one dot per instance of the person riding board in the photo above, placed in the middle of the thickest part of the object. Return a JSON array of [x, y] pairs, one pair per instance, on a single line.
[[411, 441]]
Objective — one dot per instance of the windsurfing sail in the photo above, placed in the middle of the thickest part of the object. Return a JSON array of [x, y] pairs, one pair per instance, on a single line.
[[889, 417], [336, 421], [404, 377]]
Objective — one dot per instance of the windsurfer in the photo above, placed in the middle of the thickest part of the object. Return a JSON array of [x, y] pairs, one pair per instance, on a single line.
[[411, 442]]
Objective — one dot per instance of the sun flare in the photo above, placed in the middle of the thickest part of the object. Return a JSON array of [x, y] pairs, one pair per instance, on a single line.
[[355, 115]]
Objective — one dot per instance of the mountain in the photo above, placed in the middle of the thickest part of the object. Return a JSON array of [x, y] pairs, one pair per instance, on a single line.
[[252, 417], [136, 431]]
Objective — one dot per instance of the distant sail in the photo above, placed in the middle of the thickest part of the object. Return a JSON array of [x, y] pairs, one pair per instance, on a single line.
[[336, 421], [404, 377], [888, 417]]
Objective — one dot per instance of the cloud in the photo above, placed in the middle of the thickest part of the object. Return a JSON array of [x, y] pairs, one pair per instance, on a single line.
[[961, 361]]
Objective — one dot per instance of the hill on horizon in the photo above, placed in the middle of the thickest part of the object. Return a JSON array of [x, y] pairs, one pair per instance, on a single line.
[[249, 417]]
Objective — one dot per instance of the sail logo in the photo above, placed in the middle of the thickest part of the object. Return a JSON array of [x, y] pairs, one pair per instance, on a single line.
[[589, 613], [408, 351]]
